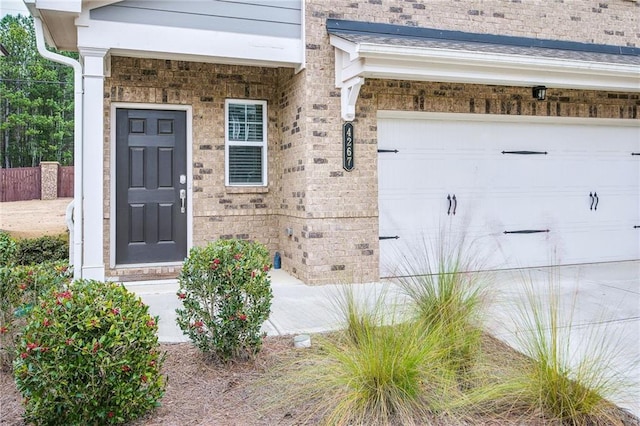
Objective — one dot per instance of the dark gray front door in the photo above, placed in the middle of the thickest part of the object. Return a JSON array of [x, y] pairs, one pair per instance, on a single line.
[[151, 169]]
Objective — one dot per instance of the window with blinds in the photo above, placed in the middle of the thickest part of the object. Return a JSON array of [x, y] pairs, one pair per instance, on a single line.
[[246, 142]]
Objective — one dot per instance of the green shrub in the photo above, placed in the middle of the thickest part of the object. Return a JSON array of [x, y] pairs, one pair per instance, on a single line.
[[8, 249], [42, 249], [21, 288], [226, 296], [89, 355]]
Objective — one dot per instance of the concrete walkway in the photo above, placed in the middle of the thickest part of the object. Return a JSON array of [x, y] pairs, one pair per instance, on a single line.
[[598, 300]]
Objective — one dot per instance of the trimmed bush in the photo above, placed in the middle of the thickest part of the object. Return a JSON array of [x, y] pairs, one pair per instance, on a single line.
[[89, 355], [42, 249], [21, 288], [8, 249], [226, 296]]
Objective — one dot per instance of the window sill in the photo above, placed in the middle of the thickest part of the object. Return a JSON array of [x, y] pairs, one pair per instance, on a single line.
[[246, 189]]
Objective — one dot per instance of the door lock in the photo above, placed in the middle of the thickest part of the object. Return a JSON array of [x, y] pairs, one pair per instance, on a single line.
[[183, 197]]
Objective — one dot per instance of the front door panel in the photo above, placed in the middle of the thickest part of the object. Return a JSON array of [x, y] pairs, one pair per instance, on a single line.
[[151, 219]]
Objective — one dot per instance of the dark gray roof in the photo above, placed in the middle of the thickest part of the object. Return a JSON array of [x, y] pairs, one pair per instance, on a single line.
[[395, 35]]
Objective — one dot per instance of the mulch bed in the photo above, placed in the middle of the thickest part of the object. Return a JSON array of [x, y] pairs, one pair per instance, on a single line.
[[201, 392]]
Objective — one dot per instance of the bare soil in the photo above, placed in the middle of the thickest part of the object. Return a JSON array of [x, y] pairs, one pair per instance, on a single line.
[[34, 218]]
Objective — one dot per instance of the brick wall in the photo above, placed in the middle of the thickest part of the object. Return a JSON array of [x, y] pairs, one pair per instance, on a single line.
[[592, 21], [333, 213], [219, 212], [343, 205]]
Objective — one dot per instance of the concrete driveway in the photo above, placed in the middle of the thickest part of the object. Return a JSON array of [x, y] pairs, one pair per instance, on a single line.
[[597, 299]]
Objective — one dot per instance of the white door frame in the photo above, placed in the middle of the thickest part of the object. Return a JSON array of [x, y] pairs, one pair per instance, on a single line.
[[112, 175]]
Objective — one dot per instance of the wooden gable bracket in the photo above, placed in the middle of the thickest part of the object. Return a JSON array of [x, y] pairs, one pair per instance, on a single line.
[[348, 71], [348, 96]]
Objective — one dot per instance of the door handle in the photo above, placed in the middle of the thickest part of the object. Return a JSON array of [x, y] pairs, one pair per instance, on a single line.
[[595, 195], [183, 197], [449, 209], [455, 204], [592, 200]]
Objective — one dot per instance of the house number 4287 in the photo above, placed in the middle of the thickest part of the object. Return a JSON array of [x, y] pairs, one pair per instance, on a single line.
[[347, 147]]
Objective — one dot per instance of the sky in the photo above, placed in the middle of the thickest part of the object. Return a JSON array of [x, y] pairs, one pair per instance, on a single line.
[[12, 7]]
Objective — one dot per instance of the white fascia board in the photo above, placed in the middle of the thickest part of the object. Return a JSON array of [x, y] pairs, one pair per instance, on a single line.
[[190, 44], [71, 6], [503, 76], [383, 61], [406, 70], [93, 4]]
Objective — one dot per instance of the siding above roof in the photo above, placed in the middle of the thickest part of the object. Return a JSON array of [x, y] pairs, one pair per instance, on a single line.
[[276, 18]]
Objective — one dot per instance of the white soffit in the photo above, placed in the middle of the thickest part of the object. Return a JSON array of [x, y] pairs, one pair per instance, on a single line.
[[73, 31], [187, 44], [387, 57]]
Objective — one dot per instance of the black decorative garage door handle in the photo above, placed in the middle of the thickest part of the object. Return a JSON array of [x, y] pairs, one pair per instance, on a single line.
[[395, 237], [453, 202], [594, 201], [527, 231], [395, 151], [526, 152]]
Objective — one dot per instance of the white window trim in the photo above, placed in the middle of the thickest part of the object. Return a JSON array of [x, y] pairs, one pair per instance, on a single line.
[[263, 144]]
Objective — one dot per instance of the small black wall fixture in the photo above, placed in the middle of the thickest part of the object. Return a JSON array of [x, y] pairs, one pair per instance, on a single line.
[[539, 92]]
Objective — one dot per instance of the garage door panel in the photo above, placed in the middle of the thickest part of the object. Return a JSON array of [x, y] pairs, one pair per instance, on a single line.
[[583, 191], [413, 244], [407, 167]]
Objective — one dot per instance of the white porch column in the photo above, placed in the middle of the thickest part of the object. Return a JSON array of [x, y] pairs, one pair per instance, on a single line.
[[93, 163]]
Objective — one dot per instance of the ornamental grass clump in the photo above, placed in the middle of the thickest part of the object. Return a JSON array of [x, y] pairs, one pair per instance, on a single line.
[[226, 295], [89, 354], [568, 380], [378, 370], [447, 297]]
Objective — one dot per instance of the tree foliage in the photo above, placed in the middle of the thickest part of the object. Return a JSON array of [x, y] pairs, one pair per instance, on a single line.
[[36, 100]]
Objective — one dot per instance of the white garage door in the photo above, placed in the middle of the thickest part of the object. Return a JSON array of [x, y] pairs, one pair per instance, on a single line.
[[524, 191]]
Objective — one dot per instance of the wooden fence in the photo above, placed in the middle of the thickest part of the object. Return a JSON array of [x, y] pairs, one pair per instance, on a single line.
[[20, 183], [25, 183], [65, 181]]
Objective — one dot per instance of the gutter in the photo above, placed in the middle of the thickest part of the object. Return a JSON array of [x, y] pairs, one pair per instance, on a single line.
[[75, 259]]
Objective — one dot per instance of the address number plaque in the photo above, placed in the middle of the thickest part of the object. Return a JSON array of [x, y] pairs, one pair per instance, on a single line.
[[347, 147]]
